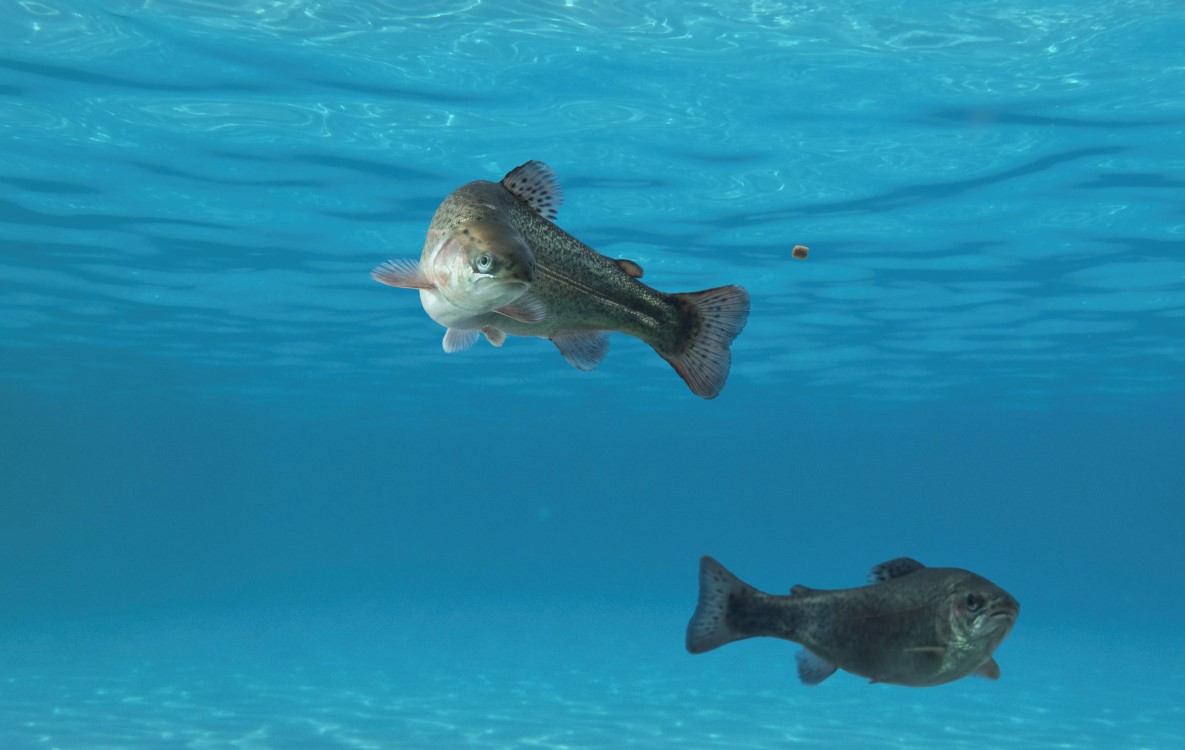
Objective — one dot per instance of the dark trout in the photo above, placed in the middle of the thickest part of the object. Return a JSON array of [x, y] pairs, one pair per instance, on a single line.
[[914, 625]]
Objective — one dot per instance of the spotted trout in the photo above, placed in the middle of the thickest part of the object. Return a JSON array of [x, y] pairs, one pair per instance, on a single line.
[[913, 625], [575, 297]]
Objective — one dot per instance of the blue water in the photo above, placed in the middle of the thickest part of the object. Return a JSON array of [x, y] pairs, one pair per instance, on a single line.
[[248, 502]]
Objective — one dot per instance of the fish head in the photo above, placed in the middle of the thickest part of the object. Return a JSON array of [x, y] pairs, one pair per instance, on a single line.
[[980, 612], [483, 265]]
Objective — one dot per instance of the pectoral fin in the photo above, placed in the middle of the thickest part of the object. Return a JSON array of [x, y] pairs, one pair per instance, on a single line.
[[812, 668], [526, 309], [989, 670], [927, 658], [459, 339], [405, 274], [584, 350]]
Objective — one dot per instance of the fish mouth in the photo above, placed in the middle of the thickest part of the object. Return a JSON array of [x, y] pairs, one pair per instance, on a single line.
[[503, 281], [510, 273]]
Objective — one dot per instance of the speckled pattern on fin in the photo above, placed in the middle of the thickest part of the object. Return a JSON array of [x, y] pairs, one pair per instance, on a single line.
[[812, 668], [585, 350], [631, 268], [534, 183], [989, 670], [709, 627], [459, 339], [526, 309], [495, 336], [716, 317], [895, 568], [405, 274]]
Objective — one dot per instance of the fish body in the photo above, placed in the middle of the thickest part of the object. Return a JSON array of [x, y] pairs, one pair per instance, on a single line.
[[914, 626], [584, 296]]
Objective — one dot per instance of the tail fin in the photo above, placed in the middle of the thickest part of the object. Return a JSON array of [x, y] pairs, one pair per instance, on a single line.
[[710, 627], [715, 318]]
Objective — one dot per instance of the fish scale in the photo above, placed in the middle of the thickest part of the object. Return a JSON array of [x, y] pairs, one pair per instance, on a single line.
[[583, 290]]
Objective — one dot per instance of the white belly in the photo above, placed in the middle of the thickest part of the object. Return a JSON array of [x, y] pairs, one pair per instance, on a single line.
[[446, 313]]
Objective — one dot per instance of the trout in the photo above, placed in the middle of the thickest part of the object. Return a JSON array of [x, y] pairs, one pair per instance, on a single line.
[[913, 625], [577, 296]]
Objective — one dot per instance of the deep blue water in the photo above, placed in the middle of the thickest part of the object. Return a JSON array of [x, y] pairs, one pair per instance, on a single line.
[[248, 501]]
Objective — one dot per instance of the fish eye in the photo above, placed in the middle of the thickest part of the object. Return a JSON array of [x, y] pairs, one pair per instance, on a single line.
[[484, 263], [974, 602]]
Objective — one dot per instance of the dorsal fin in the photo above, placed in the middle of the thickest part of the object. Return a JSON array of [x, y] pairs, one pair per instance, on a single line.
[[534, 183], [895, 568]]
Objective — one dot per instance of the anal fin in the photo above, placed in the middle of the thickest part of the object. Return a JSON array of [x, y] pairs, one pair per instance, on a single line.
[[584, 350], [812, 668], [989, 670]]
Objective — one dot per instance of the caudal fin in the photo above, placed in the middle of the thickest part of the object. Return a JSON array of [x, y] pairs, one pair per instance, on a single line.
[[714, 318], [710, 626]]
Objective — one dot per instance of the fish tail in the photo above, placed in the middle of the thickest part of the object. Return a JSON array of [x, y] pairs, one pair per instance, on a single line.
[[717, 620], [711, 320]]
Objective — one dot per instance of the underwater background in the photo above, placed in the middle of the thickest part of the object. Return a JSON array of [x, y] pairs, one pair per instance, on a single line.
[[248, 502]]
